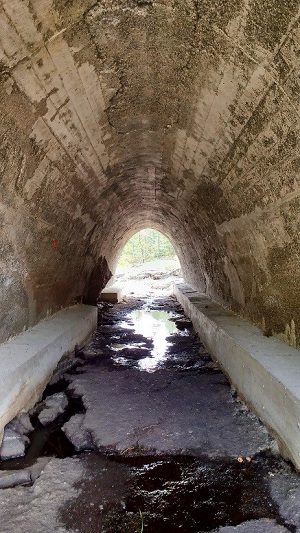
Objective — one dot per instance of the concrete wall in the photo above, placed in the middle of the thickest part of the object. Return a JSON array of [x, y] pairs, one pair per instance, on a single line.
[[263, 370], [118, 115], [28, 361]]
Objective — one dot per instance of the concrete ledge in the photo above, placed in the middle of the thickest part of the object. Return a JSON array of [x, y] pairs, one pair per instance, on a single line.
[[28, 360], [264, 370], [111, 294]]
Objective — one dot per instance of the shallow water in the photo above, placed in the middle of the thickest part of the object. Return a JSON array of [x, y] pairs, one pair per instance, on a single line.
[[155, 326], [170, 494]]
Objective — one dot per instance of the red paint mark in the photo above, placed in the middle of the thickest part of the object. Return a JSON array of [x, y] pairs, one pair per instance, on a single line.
[[55, 243]]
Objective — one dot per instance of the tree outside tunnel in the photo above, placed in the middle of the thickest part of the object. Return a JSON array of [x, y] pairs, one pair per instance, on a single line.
[[146, 245], [148, 264]]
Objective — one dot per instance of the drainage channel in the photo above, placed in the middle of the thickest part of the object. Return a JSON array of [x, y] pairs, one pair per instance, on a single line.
[[145, 334], [132, 491], [48, 440]]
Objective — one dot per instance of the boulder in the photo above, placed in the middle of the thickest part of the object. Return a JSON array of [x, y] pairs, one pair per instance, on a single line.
[[13, 444], [12, 478], [53, 407], [78, 434]]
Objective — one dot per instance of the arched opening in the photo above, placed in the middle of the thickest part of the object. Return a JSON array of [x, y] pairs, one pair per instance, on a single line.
[[147, 264]]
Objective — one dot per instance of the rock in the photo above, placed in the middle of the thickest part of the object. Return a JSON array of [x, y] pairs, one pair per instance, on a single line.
[[12, 478], [134, 353], [47, 416], [285, 492], [183, 323], [13, 444], [58, 400], [24, 420], [212, 365], [89, 352], [255, 526], [21, 424], [77, 433], [36, 509], [38, 467], [53, 406]]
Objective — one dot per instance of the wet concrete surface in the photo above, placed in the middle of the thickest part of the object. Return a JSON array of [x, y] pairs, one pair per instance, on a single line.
[[154, 441], [156, 390], [176, 494]]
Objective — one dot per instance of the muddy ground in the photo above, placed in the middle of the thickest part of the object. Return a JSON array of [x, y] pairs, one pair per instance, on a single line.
[[153, 440]]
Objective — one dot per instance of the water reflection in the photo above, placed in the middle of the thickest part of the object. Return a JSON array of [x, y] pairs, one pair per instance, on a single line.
[[120, 347], [153, 325]]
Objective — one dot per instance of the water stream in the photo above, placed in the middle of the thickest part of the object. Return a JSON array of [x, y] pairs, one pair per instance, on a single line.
[[156, 326]]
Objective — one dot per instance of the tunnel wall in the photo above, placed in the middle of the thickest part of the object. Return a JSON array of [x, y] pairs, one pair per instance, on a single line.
[[185, 116]]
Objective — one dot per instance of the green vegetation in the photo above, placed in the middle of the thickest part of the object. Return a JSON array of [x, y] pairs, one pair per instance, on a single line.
[[142, 519], [146, 245]]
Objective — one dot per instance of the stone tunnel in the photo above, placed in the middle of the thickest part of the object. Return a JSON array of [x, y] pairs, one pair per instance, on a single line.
[[181, 116]]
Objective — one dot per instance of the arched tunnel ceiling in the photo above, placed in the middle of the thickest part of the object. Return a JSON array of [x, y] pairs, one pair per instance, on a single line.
[[180, 115]]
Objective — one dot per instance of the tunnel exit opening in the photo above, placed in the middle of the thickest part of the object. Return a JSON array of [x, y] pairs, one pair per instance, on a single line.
[[148, 265]]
